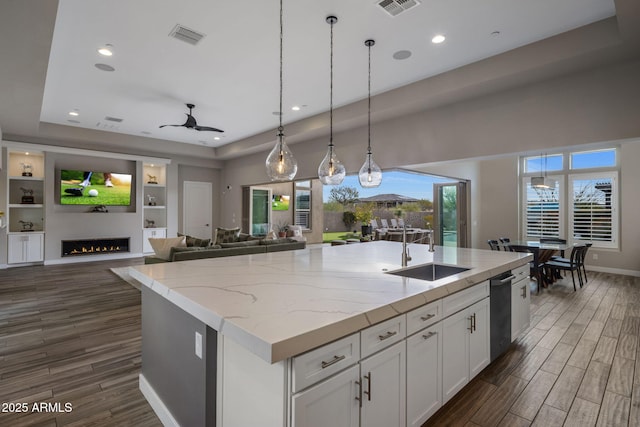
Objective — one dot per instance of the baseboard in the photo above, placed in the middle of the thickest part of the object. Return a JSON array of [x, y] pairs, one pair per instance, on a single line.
[[156, 403], [91, 258], [621, 271]]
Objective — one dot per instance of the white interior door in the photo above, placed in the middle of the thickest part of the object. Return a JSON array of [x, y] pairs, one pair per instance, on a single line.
[[197, 209]]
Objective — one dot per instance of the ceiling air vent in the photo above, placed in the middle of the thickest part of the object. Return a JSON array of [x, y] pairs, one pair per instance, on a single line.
[[396, 7], [186, 35], [113, 119]]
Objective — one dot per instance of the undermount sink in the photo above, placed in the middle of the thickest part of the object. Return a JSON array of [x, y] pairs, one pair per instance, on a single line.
[[430, 272]]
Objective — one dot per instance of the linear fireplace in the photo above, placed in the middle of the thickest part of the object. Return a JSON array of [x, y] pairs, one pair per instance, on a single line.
[[95, 246]]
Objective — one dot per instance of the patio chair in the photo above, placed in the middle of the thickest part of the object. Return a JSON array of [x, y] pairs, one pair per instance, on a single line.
[[394, 223], [401, 223], [384, 223]]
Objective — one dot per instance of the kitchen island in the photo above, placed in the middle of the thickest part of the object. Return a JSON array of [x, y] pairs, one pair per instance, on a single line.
[[221, 336]]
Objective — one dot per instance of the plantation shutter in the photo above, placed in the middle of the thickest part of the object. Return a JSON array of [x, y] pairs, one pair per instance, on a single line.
[[542, 211], [593, 208]]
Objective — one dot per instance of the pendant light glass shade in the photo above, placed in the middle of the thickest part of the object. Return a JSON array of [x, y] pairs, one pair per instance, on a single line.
[[280, 163], [331, 171], [370, 174]]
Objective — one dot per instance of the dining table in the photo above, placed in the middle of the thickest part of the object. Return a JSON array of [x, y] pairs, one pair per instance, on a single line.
[[542, 252]]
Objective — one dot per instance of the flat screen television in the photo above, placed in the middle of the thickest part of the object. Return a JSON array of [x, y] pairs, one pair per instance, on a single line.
[[79, 187]]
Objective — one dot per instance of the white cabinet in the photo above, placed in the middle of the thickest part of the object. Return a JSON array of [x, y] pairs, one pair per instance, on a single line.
[[154, 204], [520, 302], [424, 374], [383, 382], [155, 233], [25, 247], [329, 403], [465, 347]]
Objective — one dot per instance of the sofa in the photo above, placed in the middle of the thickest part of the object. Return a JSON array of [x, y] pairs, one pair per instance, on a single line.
[[240, 245]]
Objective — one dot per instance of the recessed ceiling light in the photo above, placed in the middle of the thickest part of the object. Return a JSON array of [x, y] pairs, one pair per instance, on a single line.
[[295, 108], [402, 54], [74, 113], [106, 50], [217, 138], [438, 38], [104, 67]]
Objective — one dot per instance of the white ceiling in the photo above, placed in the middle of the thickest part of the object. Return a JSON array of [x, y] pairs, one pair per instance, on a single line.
[[232, 74]]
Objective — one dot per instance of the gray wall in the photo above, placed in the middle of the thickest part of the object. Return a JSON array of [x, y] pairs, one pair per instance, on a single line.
[[597, 105]]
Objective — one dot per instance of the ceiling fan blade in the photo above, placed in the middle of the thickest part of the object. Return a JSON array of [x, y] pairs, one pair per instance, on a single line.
[[171, 125], [207, 128]]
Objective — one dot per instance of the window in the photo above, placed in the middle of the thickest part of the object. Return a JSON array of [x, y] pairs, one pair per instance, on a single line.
[[542, 209], [303, 204], [593, 214], [581, 207]]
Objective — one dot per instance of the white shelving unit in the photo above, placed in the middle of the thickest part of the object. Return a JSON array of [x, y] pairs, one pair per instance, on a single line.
[[25, 206], [154, 204]]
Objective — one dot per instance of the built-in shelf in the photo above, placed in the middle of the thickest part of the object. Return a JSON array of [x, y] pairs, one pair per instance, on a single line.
[[154, 199]]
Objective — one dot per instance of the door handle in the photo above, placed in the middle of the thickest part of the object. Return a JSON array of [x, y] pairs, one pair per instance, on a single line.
[[206, 225], [387, 335], [524, 292], [429, 335], [335, 359], [427, 317], [474, 322], [359, 396], [470, 328]]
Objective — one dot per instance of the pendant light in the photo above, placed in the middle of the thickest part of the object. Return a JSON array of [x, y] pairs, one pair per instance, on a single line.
[[280, 163], [370, 174], [331, 171], [542, 182]]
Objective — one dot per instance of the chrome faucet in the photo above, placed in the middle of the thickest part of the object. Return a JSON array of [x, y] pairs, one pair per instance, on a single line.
[[430, 234], [405, 250]]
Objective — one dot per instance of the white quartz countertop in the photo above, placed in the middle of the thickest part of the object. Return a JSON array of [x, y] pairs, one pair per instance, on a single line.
[[282, 304]]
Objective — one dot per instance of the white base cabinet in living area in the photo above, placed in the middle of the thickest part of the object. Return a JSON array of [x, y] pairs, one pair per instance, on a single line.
[[155, 233], [466, 341], [520, 302], [25, 247]]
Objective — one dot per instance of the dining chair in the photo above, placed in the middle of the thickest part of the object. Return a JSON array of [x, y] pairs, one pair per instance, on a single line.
[[505, 244], [493, 244], [572, 265], [581, 260]]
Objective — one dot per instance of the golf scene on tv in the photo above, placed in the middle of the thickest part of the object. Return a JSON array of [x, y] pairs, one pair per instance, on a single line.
[[94, 188]]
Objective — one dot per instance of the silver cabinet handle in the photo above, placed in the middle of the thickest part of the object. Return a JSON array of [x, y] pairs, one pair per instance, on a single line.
[[387, 335], [508, 279], [470, 328], [427, 317], [429, 335], [368, 392], [474, 322], [359, 396], [335, 359], [524, 292]]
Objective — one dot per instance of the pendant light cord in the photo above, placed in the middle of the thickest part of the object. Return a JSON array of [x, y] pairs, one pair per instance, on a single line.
[[331, 88], [369, 107], [280, 128]]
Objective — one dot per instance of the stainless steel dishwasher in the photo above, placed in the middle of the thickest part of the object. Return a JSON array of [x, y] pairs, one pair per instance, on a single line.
[[500, 313]]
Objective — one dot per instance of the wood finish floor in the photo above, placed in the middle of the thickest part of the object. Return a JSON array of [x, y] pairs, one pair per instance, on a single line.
[[71, 334]]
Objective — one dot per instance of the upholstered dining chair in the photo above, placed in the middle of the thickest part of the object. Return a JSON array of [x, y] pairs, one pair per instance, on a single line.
[[572, 265]]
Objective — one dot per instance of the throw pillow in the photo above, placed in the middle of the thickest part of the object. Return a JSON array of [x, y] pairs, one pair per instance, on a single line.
[[226, 235], [196, 242], [162, 247]]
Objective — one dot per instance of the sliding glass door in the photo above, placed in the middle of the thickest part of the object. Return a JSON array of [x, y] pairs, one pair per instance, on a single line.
[[450, 214]]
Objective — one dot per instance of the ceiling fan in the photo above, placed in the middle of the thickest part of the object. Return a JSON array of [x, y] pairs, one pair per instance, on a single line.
[[192, 124]]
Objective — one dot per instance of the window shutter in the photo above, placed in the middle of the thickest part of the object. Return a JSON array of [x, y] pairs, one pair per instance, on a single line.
[[542, 212], [593, 209]]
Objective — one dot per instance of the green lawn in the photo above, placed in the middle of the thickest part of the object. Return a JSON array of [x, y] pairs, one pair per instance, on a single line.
[[341, 235]]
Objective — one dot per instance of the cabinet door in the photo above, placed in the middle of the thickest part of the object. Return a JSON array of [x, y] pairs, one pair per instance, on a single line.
[[384, 388], [331, 403], [25, 248], [520, 306], [156, 233], [479, 337], [424, 375], [455, 353]]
